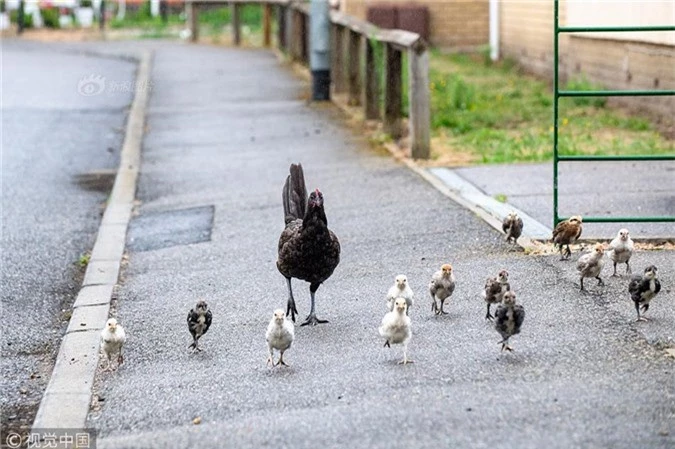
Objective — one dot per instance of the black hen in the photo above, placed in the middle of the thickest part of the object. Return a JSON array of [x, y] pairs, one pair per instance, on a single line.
[[308, 250]]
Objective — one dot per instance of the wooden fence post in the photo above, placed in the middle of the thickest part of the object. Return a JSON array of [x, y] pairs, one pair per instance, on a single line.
[[418, 101], [392, 92], [354, 67], [371, 91], [281, 27], [304, 36], [236, 28], [192, 11], [267, 24], [339, 75]]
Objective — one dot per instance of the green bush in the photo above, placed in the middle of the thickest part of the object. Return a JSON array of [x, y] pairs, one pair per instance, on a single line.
[[145, 11], [50, 17], [27, 19], [86, 4]]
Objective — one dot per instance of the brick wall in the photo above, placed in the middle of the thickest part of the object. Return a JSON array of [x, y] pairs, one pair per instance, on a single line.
[[460, 24]]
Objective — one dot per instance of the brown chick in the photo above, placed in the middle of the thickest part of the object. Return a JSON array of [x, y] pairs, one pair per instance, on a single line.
[[512, 227], [566, 233]]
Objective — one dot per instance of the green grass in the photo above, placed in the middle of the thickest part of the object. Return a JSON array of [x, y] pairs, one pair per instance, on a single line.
[[212, 21], [492, 113], [83, 260]]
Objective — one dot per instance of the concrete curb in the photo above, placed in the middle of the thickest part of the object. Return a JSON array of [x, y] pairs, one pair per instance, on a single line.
[[66, 400]]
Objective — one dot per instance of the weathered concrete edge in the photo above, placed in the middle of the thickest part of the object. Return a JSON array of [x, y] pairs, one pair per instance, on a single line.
[[69, 409]]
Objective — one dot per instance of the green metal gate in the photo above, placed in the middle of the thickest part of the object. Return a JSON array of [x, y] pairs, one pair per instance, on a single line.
[[557, 93]]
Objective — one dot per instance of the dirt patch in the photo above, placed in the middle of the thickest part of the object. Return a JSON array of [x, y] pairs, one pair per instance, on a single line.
[[97, 180]]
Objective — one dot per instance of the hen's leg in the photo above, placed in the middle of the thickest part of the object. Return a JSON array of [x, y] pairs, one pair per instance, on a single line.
[[290, 307], [311, 318], [488, 316]]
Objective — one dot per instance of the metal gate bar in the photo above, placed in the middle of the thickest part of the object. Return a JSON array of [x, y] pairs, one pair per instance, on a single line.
[[557, 93]]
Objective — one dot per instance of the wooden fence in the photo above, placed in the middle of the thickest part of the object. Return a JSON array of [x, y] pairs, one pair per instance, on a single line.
[[356, 63]]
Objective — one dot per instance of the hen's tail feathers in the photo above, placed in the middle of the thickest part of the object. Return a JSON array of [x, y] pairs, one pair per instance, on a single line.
[[294, 195]]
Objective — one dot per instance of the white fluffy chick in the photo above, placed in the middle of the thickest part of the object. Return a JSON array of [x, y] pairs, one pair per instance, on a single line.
[[396, 328], [400, 289], [280, 334], [590, 265], [441, 287], [112, 341], [621, 249]]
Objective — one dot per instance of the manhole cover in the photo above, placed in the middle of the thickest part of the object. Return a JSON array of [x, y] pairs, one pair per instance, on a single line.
[[158, 230]]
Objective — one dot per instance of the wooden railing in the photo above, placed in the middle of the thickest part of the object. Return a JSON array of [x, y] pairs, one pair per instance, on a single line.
[[354, 63]]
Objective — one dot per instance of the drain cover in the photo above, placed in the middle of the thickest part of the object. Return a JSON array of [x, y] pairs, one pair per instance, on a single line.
[[164, 229]]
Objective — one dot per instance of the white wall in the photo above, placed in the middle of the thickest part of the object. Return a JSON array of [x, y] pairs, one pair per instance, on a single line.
[[624, 13]]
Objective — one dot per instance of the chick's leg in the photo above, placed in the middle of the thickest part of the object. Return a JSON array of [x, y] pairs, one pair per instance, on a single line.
[[614, 274], [628, 270], [442, 312], [120, 358], [270, 359], [281, 359], [488, 315], [290, 306], [405, 360], [311, 318], [582, 283], [637, 309], [434, 306], [600, 281]]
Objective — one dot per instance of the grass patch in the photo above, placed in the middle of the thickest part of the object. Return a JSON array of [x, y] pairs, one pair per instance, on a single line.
[[491, 113], [83, 260], [501, 198]]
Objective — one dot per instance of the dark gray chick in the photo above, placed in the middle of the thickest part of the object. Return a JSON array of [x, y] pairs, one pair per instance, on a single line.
[[199, 321], [441, 287], [509, 319]]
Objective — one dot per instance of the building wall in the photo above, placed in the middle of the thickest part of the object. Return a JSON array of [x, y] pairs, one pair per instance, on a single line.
[[460, 24], [615, 61]]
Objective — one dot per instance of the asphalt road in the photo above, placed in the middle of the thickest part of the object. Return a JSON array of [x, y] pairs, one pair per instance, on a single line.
[[223, 126], [59, 153]]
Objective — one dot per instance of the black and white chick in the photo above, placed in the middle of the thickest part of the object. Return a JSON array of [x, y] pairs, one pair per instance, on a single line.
[[113, 338], [621, 249], [494, 290], [400, 289], [643, 289], [396, 328], [280, 334], [590, 265], [512, 227], [199, 321], [441, 287], [509, 318]]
